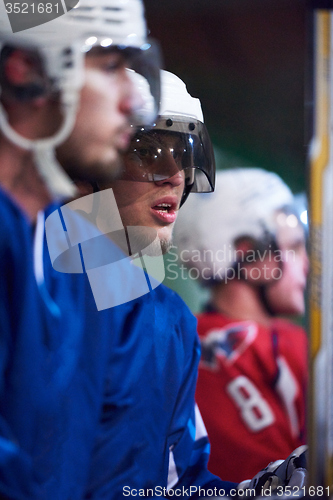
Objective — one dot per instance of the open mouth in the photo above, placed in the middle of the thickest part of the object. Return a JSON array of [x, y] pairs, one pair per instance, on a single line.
[[165, 211], [163, 207]]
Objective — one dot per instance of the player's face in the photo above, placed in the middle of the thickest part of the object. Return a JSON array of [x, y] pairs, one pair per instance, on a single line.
[[152, 204], [286, 295], [102, 130]]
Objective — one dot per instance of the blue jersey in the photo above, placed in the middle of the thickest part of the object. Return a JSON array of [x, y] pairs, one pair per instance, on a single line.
[[55, 347], [152, 436], [91, 401]]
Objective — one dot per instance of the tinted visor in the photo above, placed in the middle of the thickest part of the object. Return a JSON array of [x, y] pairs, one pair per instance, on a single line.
[[169, 146], [145, 64]]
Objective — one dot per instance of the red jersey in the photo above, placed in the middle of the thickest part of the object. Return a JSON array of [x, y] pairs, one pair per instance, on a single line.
[[251, 392]]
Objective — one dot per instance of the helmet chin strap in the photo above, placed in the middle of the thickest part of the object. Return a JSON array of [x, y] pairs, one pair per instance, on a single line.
[[56, 179], [186, 192]]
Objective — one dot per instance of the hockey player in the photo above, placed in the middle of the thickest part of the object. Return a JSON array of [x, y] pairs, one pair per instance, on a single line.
[[168, 441], [161, 440], [248, 246], [65, 84], [59, 355]]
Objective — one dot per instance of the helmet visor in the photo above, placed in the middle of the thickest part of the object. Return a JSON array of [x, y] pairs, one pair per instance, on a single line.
[[144, 65], [147, 62], [169, 146]]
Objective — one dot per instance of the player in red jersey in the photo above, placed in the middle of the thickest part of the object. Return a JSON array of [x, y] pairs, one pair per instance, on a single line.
[[248, 245]]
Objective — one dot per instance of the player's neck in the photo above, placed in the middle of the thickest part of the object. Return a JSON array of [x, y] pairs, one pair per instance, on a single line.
[[19, 177], [241, 301]]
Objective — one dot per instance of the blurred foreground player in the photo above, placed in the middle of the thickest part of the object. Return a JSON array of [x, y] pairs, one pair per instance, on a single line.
[[65, 84], [168, 441], [248, 245]]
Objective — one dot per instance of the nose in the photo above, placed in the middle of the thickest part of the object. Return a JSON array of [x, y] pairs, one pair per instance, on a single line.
[[131, 99], [306, 263], [175, 180], [169, 167]]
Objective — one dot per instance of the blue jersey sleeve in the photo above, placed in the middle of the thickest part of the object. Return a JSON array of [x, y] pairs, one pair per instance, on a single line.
[[189, 446], [151, 437], [195, 480], [16, 465]]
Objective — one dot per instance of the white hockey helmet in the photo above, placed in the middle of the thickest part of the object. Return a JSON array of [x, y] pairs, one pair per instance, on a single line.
[[180, 115], [243, 205], [62, 43]]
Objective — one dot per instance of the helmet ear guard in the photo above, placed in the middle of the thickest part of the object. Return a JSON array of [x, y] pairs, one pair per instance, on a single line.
[[255, 252], [21, 87]]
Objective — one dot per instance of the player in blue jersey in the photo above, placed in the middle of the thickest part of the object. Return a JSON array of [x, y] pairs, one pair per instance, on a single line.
[[66, 87], [95, 401], [162, 442], [160, 439]]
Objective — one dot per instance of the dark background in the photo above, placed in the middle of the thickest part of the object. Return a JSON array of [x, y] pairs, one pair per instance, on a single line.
[[247, 62]]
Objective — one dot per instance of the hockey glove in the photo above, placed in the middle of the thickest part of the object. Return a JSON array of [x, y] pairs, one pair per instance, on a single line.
[[290, 472]]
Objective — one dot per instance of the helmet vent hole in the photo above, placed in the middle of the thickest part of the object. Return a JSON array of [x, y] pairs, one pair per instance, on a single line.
[[169, 122], [114, 9], [83, 18], [191, 126], [68, 51]]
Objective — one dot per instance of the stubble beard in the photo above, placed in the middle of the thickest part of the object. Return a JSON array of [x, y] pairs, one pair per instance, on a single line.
[[152, 246], [159, 246], [79, 169]]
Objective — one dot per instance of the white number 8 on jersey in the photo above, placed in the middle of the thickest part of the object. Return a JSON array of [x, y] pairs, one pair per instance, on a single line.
[[255, 411]]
